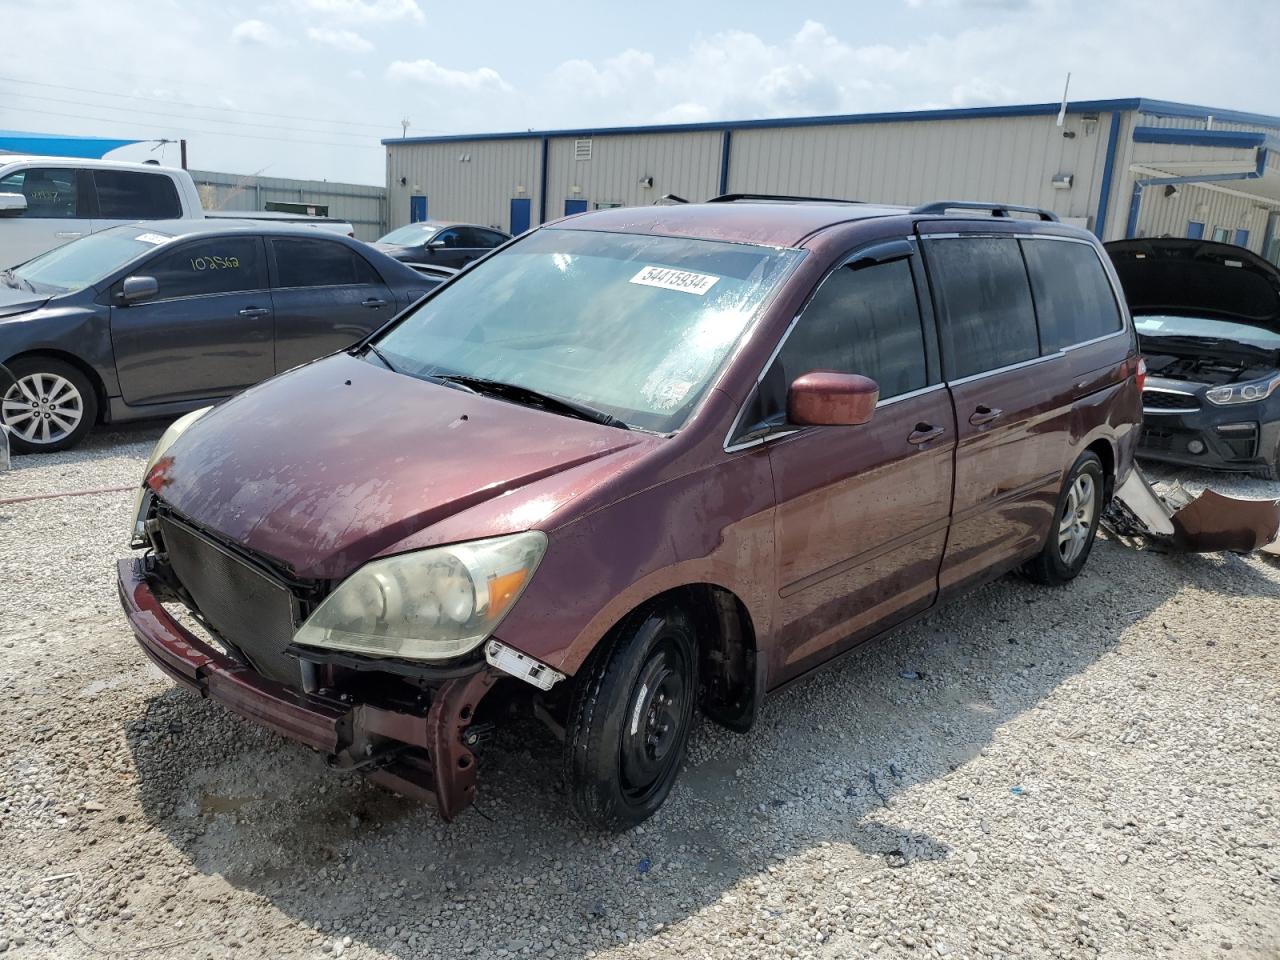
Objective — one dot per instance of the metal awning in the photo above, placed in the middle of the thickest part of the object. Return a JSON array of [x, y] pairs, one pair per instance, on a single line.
[[59, 144]]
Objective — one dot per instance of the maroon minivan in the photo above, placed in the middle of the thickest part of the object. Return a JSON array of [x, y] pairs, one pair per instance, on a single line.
[[634, 463]]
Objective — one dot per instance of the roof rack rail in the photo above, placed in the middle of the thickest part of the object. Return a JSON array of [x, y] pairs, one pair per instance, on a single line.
[[996, 209], [734, 197]]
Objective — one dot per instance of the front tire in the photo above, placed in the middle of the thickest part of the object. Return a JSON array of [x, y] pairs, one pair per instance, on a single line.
[[51, 406], [1075, 525], [630, 718]]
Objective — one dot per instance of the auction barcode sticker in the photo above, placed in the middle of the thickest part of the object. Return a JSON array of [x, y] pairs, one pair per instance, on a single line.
[[152, 238], [682, 280]]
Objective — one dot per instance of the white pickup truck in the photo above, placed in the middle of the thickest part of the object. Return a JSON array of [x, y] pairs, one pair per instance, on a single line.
[[48, 201]]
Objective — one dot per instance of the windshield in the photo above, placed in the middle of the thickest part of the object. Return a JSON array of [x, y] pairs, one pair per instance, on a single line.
[[632, 325], [412, 235], [82, 263], [1159, 326]]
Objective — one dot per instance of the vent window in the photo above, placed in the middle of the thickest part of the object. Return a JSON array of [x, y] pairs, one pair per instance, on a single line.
[[582, 150]]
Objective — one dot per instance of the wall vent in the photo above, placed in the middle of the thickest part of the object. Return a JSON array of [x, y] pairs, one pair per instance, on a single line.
[[582, 149]]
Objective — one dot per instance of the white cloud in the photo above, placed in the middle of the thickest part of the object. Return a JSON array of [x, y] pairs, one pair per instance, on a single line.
[[345, 40], [363, 11], [430, 73], [255, 31]]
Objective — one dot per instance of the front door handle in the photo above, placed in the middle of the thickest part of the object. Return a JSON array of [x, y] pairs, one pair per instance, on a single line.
[[984, 414], [254, 312], [924, 432], [373, 303]]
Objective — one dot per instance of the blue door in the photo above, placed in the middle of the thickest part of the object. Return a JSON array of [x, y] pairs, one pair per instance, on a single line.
[[1242, 238], [417, 209], [519, 215], [1195, 230], [574, 206]]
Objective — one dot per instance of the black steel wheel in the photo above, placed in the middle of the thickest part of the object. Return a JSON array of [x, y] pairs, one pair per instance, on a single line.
[[630, 718]]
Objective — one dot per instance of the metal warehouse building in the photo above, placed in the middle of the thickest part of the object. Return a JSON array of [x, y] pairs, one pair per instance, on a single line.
[[1118, 167]]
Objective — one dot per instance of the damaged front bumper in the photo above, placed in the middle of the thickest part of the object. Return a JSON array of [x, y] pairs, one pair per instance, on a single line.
[[1207, 523], [420, 755]]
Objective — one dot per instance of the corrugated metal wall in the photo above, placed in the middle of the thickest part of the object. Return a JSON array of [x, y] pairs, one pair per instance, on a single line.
[[1013, 159], [362, 205], [472, 181], [1163, 216], [686, 164]]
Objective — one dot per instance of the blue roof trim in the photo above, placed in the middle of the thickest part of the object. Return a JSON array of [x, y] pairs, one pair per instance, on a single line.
[[1199, 138], [901, 116], [1157, 108], [59, 144]]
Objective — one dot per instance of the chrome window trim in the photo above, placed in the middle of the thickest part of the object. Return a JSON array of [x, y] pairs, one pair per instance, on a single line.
[[1005, 369]]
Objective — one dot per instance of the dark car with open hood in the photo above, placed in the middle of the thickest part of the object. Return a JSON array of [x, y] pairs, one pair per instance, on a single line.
[[1208, 321], [638, 464], [166, 316]]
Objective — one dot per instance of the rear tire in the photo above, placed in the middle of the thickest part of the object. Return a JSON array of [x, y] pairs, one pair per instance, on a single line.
[[1075, 525], [630, 717], [52, 406]]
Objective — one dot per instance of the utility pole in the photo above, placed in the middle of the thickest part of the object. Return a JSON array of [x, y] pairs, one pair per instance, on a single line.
[[182, 148]]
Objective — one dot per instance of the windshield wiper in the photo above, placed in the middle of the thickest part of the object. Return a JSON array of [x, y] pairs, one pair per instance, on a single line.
[[530, 397], [381, 356]]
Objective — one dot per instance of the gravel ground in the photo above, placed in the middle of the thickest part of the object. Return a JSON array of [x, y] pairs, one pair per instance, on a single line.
[[1091, 771]]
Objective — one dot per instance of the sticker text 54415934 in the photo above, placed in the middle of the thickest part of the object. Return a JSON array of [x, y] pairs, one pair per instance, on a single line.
[[683, 280]]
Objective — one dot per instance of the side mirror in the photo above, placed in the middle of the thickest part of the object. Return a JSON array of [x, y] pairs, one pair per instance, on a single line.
[[827, 399], [138, 289], [12, 204], [436, 244]]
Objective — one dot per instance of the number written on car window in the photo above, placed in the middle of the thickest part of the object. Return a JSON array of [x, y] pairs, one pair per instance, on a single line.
[[215, 263]]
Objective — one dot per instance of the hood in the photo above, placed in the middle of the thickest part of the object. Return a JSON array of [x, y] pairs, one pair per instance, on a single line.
[[394, 249], [13, 301], [1197, 278], [326, 466]]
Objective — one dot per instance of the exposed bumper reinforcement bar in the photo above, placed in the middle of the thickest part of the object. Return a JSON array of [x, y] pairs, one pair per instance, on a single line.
[[1203, 524], [441, 767]]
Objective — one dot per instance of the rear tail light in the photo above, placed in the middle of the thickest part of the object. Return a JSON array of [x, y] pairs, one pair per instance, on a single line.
[[1140, 378]]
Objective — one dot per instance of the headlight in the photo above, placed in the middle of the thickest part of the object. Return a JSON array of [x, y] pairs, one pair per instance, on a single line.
[[1243, 392], [176, 429], [428, 605]]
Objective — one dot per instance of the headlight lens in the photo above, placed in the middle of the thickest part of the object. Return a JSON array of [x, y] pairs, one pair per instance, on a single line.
[[428, 605], [175, 430], [1243, 392]]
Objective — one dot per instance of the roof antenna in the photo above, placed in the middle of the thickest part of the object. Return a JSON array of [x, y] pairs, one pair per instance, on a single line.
[[1062, 111]]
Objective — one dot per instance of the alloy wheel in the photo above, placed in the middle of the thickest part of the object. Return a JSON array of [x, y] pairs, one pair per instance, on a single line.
[[42, 408], [1076, 522]]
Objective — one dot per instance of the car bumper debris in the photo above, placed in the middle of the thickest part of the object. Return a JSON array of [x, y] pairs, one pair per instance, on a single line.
[[420, 755], [1206, 523]]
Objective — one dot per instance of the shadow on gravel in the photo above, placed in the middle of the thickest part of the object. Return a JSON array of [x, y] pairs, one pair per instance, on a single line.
[[104, 443], [826, 764]]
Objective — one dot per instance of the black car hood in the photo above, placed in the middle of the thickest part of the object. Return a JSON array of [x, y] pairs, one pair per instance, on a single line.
[[1197, 278], [14, 301], [395, 249]]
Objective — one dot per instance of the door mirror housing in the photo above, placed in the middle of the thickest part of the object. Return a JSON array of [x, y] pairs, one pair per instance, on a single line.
[[138, 289], [823, 398], [435, 244], [12, 204]]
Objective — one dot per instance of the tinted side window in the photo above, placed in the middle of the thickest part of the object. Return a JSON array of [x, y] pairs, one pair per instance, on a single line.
[[1074, 299], [319, 263], [487, 238], [986, 319], [863, 321], [125, 195], [50, 191], [217, 265], [450, 238]]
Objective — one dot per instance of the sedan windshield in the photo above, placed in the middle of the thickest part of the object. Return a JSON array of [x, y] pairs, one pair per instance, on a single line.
[[634, 326], [84, 262], [1208, 329], [412, 235]]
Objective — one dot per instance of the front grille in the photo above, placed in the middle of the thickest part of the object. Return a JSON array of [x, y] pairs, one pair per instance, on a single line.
[[244, 607], [1160, 400]]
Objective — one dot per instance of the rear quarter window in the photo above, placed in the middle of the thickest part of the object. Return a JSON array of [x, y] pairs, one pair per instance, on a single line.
[[986, 319], [126, 195], [1073, 296]]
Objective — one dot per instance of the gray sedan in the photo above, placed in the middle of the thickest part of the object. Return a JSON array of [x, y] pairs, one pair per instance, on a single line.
[[160, 318]]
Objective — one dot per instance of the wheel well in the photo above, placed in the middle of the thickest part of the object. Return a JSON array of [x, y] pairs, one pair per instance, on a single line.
[[1108, 457], [91, 375], [726, 651]]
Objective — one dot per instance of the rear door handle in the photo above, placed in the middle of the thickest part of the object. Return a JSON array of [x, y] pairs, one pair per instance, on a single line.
[[924, 432], [373, 303], [984, 414], [254, 312]]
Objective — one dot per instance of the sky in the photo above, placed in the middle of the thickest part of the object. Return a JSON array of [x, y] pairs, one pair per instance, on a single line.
[[308, 88]]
